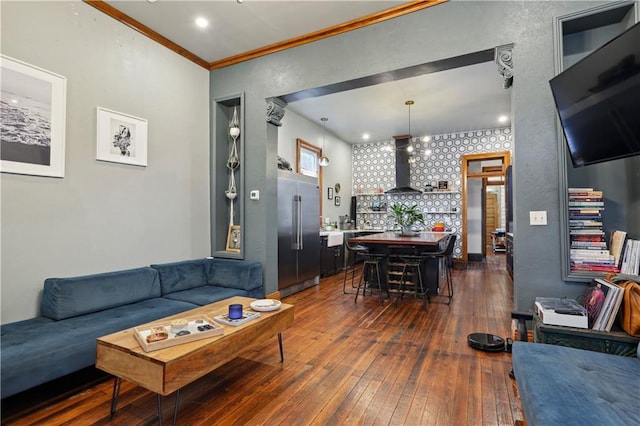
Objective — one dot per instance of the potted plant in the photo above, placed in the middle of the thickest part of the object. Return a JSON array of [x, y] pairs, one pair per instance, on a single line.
[[406, 217]]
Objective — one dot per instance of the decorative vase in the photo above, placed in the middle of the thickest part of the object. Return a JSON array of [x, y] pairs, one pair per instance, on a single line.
[[407, 231]]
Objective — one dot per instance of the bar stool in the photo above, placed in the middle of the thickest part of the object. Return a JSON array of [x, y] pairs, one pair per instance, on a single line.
[[356, 252], [445, 257], [412, 273], [371, 270]]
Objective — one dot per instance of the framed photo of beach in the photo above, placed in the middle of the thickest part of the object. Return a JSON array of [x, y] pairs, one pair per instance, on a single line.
[[33, 118], [121, 138]]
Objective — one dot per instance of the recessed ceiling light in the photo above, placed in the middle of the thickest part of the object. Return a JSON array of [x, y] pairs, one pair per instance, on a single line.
[[366, 136], [202, 22], [503, 118]]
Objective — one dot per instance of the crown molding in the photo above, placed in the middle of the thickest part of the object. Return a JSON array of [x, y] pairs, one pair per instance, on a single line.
[[355, 24], [374, 18], [111, 11]]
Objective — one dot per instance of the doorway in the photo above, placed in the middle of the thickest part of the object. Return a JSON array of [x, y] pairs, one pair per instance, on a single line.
[[494, 216], [479, 172]]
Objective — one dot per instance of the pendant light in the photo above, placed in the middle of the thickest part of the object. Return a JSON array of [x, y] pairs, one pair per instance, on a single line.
[[410, 148], [323, 161]]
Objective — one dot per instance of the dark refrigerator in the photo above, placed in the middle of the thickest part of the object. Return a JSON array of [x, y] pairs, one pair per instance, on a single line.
[[298, 232]]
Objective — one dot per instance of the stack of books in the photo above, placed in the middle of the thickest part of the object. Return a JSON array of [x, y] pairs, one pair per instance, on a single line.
[[589, 251], [602, 301]]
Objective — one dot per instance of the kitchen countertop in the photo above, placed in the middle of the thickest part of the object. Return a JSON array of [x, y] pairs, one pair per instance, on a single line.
[[342, 231]]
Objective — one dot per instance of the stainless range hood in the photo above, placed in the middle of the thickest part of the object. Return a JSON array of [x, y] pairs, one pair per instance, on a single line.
[[402, 168]]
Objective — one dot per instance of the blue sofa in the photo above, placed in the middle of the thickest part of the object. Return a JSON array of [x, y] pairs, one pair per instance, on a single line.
[[560, 385], [75, 311]]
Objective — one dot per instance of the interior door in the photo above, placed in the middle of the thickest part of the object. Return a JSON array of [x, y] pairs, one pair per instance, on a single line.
[[492, 218]]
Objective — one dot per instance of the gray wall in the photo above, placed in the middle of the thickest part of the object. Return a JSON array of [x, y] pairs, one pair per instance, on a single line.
[[104, 216], [447, 30], [295, 126]]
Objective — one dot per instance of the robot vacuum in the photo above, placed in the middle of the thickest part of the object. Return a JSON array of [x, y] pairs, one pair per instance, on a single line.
[[486, 342]]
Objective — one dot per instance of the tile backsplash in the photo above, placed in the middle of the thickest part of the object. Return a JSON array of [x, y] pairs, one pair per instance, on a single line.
[[374, 170]]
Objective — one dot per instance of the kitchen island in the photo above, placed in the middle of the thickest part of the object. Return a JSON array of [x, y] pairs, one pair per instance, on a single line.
[[392, 244]]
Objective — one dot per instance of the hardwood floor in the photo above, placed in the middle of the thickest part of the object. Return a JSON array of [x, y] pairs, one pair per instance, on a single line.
[[345, 364]]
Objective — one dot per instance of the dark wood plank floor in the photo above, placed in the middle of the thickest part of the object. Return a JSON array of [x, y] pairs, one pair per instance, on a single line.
[[345, 364]]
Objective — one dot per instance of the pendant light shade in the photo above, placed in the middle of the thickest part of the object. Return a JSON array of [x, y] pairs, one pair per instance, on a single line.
[[323, 161]]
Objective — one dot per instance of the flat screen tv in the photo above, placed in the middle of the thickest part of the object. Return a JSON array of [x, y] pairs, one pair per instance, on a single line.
[[598, 101]]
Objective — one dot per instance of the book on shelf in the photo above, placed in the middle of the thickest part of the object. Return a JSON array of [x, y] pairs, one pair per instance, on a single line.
[[616, 243], [561, 311], [610, 307], [589, 252], [584, 192], [593, 300], [631, 257], [602, 300]]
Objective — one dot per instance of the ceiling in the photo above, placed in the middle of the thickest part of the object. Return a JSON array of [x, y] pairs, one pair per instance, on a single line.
[[464, 98]]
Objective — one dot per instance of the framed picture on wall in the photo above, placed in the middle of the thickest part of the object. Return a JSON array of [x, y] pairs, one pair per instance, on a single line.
[[233, 238], [33, 109], [330, 193], [336, 200], [121, 138]]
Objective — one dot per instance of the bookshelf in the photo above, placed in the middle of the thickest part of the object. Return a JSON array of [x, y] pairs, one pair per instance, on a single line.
[[575, 36]]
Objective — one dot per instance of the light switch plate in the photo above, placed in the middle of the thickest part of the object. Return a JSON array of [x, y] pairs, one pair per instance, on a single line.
[[537, 218], [254, 195]]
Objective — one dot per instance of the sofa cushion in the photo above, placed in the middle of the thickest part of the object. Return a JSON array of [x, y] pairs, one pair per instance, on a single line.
[[230, 273], [206, 294], [68, 297], [566, 386], [178, 276], [38, 350]]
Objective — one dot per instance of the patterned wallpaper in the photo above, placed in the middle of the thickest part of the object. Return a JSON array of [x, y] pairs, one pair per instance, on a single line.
[[374, 168]]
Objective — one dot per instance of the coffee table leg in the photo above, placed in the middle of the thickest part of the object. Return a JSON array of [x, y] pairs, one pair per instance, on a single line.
[[280, 344], [175, 408], [160, 409], [116, 394]]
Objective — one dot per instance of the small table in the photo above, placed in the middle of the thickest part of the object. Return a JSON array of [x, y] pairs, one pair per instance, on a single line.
[[613, 342], [167, 370]]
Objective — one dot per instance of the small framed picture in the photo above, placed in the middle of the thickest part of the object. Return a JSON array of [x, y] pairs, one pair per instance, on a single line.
[[443, 185], [330, 193], [233, 239], [336, 200], [121, 138]]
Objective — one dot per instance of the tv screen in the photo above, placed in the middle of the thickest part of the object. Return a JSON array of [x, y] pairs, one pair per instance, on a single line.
[[598, 101]]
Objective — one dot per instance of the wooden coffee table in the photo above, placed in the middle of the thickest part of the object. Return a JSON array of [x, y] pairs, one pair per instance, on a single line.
[[167, 370]]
